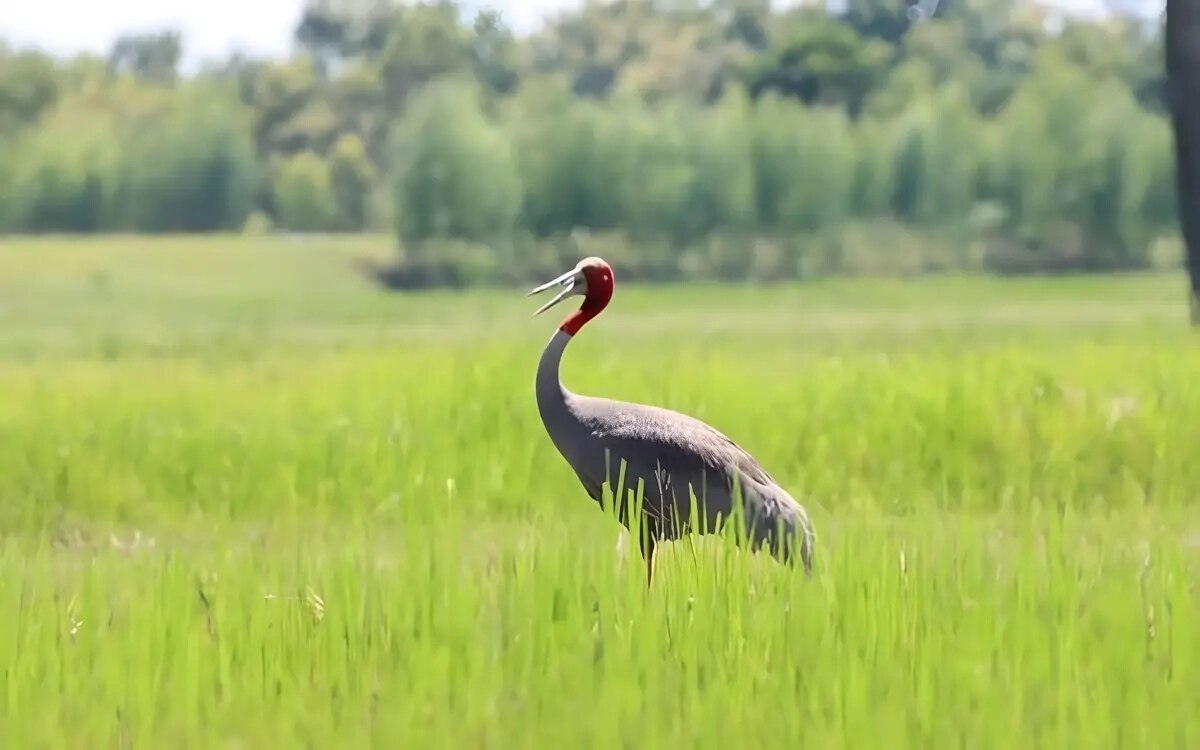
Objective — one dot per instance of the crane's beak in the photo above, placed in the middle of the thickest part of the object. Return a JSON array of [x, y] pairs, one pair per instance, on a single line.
[[572, 283]]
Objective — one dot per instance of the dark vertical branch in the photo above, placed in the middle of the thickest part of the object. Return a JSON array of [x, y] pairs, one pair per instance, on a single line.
[[1183, 91]]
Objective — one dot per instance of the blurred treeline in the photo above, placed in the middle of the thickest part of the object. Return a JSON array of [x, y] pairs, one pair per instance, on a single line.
[[678, 139]]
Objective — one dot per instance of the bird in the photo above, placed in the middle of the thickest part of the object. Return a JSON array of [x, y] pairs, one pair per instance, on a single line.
[[671, 456]]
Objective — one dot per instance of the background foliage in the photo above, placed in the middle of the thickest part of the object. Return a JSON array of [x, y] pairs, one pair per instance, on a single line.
[[710, 140]]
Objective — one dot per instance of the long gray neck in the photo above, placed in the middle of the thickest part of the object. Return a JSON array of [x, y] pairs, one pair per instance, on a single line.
[[552, 397]]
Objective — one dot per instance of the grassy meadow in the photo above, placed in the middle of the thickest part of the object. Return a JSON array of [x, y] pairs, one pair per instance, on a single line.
[[248, 498]]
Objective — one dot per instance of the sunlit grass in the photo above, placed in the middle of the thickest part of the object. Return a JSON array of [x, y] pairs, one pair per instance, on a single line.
[[264, 512]]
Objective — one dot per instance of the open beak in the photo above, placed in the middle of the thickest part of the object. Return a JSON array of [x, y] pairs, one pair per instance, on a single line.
[[568, 281]]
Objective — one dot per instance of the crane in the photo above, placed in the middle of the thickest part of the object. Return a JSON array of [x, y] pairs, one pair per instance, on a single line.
[[670, 455]]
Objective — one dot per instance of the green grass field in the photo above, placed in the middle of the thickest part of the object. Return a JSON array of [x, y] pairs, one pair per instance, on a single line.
[[248, 499]]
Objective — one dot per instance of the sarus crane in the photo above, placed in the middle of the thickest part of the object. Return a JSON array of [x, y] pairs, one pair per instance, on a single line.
[[670, 456]]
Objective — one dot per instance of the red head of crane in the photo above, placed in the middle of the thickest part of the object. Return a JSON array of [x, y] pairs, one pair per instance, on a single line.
[[671, 456]]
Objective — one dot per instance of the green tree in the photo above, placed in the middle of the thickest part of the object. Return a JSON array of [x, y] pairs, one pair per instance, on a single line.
[[936, 159], [29, 85], [1146, 208], [351, 180], [820, 60], [65, 173], [884, 19], [723, 196], [304, 194], [677, 130], [356, 98], [570, 154], [804, 163], [192, 168], [150, 57], [425, 42], [289, 117], [7, 201], [873, 183], [493, 53], [658, 183], [455, 171]]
